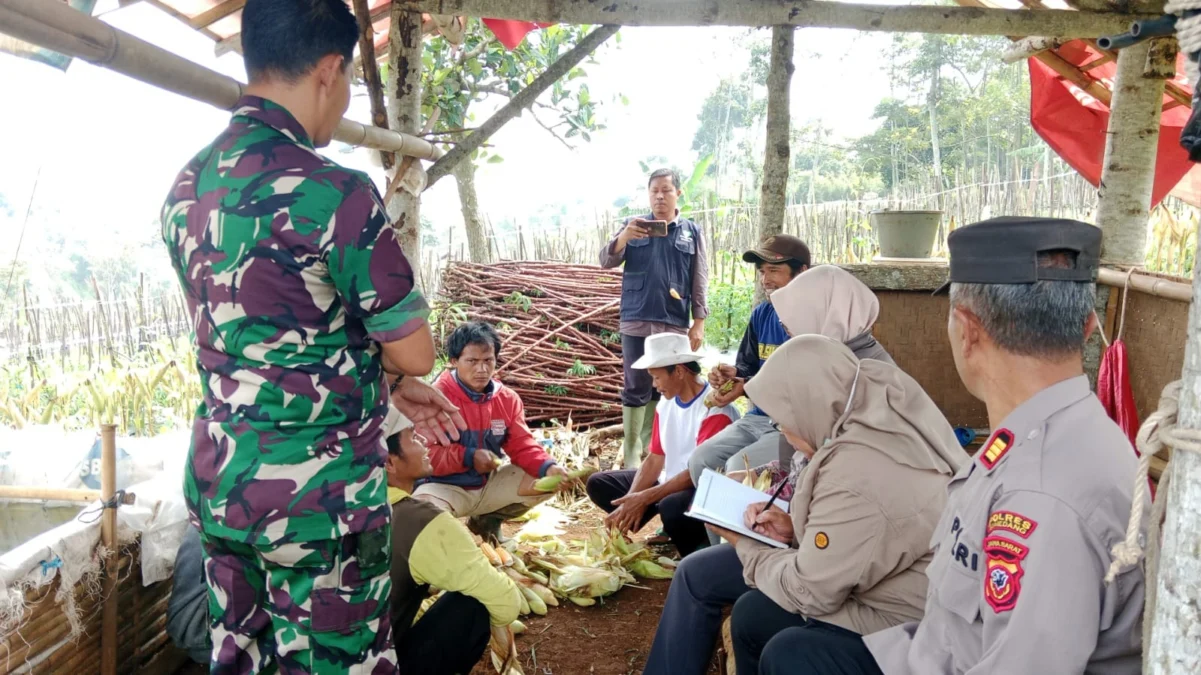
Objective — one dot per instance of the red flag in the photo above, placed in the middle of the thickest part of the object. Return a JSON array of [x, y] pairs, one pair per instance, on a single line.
[[511, 33], [1115, 393], [1073, 122]]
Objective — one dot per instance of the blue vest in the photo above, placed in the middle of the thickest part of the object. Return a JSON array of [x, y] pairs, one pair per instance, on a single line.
[[655, 266], [771, 334]]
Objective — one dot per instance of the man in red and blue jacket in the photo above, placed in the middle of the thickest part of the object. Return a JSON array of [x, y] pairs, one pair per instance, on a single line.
[[471, 478]]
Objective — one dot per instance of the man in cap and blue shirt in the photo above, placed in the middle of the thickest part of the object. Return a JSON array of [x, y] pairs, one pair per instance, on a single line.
[[1018, 581]]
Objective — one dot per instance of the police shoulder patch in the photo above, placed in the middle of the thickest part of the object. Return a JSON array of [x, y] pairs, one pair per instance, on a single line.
[[1011, 522], [1003, 572], [996, 448]]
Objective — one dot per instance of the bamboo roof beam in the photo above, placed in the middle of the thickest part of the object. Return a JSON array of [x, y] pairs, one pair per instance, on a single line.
[[216, 13], [800, 13], [56, 26], [1027, 47], [1071, 73]]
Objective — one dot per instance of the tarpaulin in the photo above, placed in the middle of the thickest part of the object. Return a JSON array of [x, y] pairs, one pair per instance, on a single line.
[[1074, 123], [511, 33]]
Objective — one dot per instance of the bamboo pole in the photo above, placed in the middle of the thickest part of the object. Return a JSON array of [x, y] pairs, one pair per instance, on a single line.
[[48, 494], [1163, 288], [108, 536], [55, 25], [799, 13]]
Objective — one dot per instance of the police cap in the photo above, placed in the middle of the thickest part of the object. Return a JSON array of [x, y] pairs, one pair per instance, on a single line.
[[1005, 251]]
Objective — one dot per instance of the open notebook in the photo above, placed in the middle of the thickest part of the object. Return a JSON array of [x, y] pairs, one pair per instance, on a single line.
[[722, 501]]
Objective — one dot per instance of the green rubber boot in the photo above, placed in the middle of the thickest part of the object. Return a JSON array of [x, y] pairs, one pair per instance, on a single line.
[[631, 436], [648, 425]]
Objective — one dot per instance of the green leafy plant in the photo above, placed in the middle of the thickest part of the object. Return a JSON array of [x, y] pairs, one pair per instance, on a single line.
[[519, 300], [555, 390], [581, 369]]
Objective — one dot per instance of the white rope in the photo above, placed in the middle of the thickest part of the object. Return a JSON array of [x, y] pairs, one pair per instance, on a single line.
[[1158, 430], [1188, 33]]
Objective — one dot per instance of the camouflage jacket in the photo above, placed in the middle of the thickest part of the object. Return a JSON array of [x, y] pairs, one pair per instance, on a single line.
[[293, 276]]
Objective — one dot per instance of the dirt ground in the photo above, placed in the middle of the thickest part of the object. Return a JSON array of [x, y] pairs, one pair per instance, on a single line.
[[609, 638], [612, 637]]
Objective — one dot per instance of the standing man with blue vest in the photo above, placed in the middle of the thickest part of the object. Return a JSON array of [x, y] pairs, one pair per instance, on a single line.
[[663, 286]]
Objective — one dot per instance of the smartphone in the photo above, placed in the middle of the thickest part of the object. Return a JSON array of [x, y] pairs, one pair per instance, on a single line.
[[656, 228]]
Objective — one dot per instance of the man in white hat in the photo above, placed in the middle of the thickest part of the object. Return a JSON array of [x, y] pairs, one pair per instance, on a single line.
[[662, 485]]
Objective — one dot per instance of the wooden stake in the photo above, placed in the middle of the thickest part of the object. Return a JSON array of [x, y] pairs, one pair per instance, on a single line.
[[108, 537], [375, 88]]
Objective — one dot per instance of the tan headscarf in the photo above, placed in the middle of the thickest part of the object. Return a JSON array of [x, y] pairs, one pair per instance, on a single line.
[[826, 300], [814, 386]]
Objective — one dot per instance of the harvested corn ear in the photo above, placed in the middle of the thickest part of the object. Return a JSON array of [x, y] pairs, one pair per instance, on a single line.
[[649, 570], [548, 483], [517, 627], [675, 294], [490, 553], [504, 651], [506, 558], [537, 604], [711, 400]]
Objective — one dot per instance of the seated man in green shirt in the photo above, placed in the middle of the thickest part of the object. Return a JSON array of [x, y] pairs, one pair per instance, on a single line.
[[430, 548]]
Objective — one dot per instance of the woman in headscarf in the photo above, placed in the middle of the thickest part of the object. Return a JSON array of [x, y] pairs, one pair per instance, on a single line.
[[858, 528], [825, 300], [828, 300]]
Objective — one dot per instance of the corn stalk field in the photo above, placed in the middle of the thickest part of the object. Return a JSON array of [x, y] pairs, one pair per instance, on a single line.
[[83, 364]]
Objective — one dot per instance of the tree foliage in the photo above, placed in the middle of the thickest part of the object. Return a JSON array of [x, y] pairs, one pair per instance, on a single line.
[[457, 77], [981, 107]]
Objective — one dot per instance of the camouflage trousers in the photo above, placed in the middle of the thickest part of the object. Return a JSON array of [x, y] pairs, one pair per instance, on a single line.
[[318, 607]]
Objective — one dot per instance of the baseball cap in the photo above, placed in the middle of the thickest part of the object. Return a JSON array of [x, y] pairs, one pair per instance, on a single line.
[[777, 249], [1005, 251]]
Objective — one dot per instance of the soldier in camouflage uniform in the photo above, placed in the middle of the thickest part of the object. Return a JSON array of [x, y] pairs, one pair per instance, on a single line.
[[301, 300]]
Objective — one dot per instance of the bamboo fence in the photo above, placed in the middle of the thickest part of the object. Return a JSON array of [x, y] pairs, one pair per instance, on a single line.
[[840, 231], [86, 332]]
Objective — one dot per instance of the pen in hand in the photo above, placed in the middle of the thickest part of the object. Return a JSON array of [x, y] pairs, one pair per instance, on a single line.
[[775, 494]]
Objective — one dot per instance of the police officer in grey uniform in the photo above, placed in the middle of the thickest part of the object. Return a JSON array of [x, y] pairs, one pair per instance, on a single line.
[[1020, 555]]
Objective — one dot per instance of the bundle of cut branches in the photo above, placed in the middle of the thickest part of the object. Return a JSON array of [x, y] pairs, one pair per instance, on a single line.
[[559, 324]]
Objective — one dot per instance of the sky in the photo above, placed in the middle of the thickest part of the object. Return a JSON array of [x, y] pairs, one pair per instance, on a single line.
[[103, 148]]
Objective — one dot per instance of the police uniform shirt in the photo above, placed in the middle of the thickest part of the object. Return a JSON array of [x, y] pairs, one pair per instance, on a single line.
[[1020, 555]]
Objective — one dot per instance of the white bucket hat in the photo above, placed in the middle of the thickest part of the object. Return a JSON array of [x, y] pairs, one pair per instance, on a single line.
[[395, 422], [666, 349]]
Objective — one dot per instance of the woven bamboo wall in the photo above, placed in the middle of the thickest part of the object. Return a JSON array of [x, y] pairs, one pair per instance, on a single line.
[[142, 642], [913, 328], [1156, 330]]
